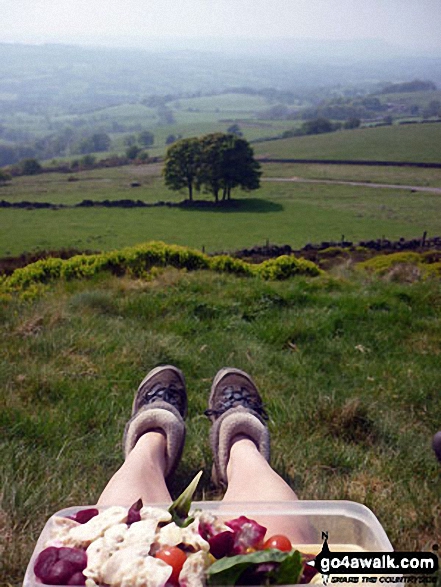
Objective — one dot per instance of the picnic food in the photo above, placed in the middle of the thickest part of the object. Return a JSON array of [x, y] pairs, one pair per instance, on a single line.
[[147, 546]]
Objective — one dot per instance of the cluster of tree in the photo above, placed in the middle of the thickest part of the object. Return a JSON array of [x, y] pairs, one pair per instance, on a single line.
[[216, 163], [321, 125], [416, 85], [136, 144]]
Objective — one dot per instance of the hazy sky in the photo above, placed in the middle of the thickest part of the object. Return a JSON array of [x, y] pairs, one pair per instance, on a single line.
[[415, 23]]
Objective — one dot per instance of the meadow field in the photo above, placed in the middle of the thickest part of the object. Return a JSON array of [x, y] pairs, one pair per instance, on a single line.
[[283, 213], [416, 142]]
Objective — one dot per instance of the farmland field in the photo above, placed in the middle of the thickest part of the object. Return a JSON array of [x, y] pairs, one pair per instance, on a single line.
[[409, 176], [418, 142], [283, 213]]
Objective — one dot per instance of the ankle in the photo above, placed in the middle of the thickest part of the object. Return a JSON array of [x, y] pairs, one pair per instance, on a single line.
[[243, 448], [151, 448]]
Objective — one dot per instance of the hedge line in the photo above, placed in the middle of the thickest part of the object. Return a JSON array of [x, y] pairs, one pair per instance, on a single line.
[[369, 162], [137, 261]]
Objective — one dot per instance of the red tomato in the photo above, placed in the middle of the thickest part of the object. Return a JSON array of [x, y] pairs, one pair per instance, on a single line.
[[175, 557], [278, 541]]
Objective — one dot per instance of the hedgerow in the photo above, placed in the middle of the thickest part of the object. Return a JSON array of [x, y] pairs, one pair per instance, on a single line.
[[139, 260]]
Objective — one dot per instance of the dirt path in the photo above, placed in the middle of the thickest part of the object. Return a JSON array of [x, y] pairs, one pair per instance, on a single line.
[[413, 188]]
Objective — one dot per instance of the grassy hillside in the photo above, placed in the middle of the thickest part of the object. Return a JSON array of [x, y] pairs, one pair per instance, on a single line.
[[348, 368], [418, 142]]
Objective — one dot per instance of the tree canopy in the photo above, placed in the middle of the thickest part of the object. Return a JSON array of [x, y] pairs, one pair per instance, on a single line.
[[216, 163]]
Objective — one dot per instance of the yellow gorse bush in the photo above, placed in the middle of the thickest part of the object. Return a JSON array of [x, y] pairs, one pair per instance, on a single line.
[[137, 261]]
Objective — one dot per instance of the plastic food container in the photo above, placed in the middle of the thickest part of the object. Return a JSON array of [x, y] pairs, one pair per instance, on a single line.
[[350, 526]]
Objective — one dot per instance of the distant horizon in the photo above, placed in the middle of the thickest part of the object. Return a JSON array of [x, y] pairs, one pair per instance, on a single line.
[[405, 25], [368, 48]]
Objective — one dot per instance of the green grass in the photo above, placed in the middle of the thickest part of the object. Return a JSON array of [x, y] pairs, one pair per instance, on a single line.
[[222, 102], [281, 212], [419, 142], [409, 176], [348, 367]]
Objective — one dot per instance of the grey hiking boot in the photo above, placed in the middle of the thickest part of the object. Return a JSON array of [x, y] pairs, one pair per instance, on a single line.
[[160, 403], [235, 408]]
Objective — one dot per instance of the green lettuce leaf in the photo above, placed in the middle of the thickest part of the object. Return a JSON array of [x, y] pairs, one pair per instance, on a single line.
[[227, 570], [289, 571]]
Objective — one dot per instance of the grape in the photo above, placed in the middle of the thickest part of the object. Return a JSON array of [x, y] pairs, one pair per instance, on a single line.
[[59, 573], [76, 556], [77, 579], [45, 560], [60, 566]]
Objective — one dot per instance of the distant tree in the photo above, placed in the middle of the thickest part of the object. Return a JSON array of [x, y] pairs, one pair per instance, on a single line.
[[87, 161], [4, 177], [129, 140], [146, 138], [143, 156], [133, 152], [388, 120], [352, 123], [276, 112], [317, 126], [182, 165], [30, 167], [98, 142], [101, 141], [234, 129], [433, 109]]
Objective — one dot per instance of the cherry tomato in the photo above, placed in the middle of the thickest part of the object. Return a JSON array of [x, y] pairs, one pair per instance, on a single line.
[[175, 557], [278, 541]]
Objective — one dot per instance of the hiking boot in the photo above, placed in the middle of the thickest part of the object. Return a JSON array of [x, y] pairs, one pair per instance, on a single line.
[[160, 403], [235, 408]]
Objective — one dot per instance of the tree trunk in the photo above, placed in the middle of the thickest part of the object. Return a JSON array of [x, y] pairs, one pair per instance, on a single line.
[[190, 191]]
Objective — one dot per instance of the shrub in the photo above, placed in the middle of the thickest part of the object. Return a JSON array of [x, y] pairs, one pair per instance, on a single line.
[[286, 266], [332, 252], [226, 264], [138, 261], [381, 264], [406, 266]]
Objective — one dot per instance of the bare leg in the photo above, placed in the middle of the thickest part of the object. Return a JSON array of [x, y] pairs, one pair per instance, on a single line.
[[251, 478], [141, 475]]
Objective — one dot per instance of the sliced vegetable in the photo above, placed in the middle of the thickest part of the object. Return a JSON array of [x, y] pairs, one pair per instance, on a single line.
[[83, 516], [221, 544], [181, 506], [134, 512], [247, 534]]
